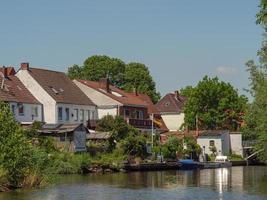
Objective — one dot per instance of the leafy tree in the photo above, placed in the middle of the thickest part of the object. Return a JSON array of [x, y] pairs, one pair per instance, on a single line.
[[214, 104], [139, 80], [172, 147], [96, 67], [256, 119], [193, 150], [133, 77], [135, 145]]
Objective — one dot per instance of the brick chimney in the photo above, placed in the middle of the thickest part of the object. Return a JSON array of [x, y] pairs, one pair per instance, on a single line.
[[177, 94], [24, 66], [104, 84], [5, 71]]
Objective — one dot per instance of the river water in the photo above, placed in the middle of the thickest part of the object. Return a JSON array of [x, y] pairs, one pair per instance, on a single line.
[[227, 183]]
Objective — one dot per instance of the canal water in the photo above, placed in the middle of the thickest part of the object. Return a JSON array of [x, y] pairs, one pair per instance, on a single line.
[[227, 183]]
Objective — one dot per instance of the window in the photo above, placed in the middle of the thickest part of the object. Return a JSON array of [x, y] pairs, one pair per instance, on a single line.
[[34, 111], [21, 109], [212, 143], [67, 114], [126, 112], [92, 115], [13, 108], [81, 115], [139, 114], [76, 112], [87, 115], [59, 113]]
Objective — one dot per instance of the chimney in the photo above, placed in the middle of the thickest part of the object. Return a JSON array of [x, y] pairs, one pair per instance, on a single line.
[[24, 66], [177, 94], [5, 71], [104, 84]]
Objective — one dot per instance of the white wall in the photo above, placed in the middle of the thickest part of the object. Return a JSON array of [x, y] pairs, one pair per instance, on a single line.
[[49, 111], [205, 141], [236, 144], [92, 109], [27, 116], [107, 111], [173, 121], [97, 97]]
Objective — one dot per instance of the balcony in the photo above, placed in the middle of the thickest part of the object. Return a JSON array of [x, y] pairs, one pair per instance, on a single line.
[[140, 123]]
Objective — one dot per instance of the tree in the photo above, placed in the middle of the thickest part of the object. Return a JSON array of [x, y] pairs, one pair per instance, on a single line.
[[256, 119], [214, 104], [135, 145], [96, 67], [133, 77], [172, 147], [192, 150], [139, 80]]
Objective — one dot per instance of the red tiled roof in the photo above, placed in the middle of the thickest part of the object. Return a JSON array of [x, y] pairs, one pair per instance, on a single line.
[[15, 91], [170, 103], [151, 108], [59, 87], [125, 98]]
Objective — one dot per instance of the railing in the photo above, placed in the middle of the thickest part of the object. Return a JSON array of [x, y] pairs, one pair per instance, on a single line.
[[140, 123]]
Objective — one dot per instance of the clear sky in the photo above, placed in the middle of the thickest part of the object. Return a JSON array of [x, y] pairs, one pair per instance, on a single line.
[[179, 40]]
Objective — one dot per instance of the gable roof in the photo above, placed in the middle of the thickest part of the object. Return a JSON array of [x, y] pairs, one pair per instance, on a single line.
[[115, 93], [14, 90], [59, 87], [170, 103], [213, 133], [151, 108]]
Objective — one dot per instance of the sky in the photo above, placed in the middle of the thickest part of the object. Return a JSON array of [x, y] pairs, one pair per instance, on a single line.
[[180, 41]]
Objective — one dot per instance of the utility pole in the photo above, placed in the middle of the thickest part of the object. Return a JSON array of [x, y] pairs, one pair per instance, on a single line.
[[152, 130]]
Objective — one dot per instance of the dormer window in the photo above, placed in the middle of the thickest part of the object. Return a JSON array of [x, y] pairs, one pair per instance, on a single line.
[[167, 104], [21, 109]]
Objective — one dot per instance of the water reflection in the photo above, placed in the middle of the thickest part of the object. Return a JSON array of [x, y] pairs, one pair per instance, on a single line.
[[226, 183]]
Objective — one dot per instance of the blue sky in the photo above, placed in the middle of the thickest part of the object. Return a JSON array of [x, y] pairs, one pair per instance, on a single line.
[[179, 40]]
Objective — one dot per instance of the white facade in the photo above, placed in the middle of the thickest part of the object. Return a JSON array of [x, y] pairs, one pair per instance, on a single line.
[[51, 107], [106, 105], [236, 143], [26, 113], [173, 121], [221, 142]]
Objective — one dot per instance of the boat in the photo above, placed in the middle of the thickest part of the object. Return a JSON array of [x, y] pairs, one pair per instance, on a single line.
[[189, 164], [223, 161]]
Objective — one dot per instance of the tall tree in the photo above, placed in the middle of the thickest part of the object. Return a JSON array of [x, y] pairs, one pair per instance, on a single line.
[[214, 104], [133, 77], [256, 119], [98, 66], [139, 80]]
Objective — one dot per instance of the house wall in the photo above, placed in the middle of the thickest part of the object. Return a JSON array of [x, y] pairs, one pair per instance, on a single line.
[[27, 117], [49, 111], [173, 121], [92, 112], [236, 144], [97, 97], [107, 111], [205, 141]]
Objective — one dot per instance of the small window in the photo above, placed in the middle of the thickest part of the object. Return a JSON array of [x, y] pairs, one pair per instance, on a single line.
[[167, 104], [62, 138], [67, 114], [212, 143], [87, 115], [13, 108], [60, 113], [126, 112], [81, 115], [139, 114], [76, 112], [21, 109]]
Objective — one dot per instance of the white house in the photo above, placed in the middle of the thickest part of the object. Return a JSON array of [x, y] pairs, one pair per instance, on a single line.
[[170, 108], [63, 102], [225, 142], [25, 107]]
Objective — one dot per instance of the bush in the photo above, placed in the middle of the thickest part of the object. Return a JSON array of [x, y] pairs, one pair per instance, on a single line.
[[172, 147]]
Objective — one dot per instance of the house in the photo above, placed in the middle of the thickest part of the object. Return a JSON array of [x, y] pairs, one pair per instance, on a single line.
[[219, 139], [170, 108], [111, 100], [25, 107], [63, 102], [67, 137]]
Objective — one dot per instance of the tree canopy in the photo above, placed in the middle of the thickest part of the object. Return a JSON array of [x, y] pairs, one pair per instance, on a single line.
[[256, 120], [213, 104], [132, 77]]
